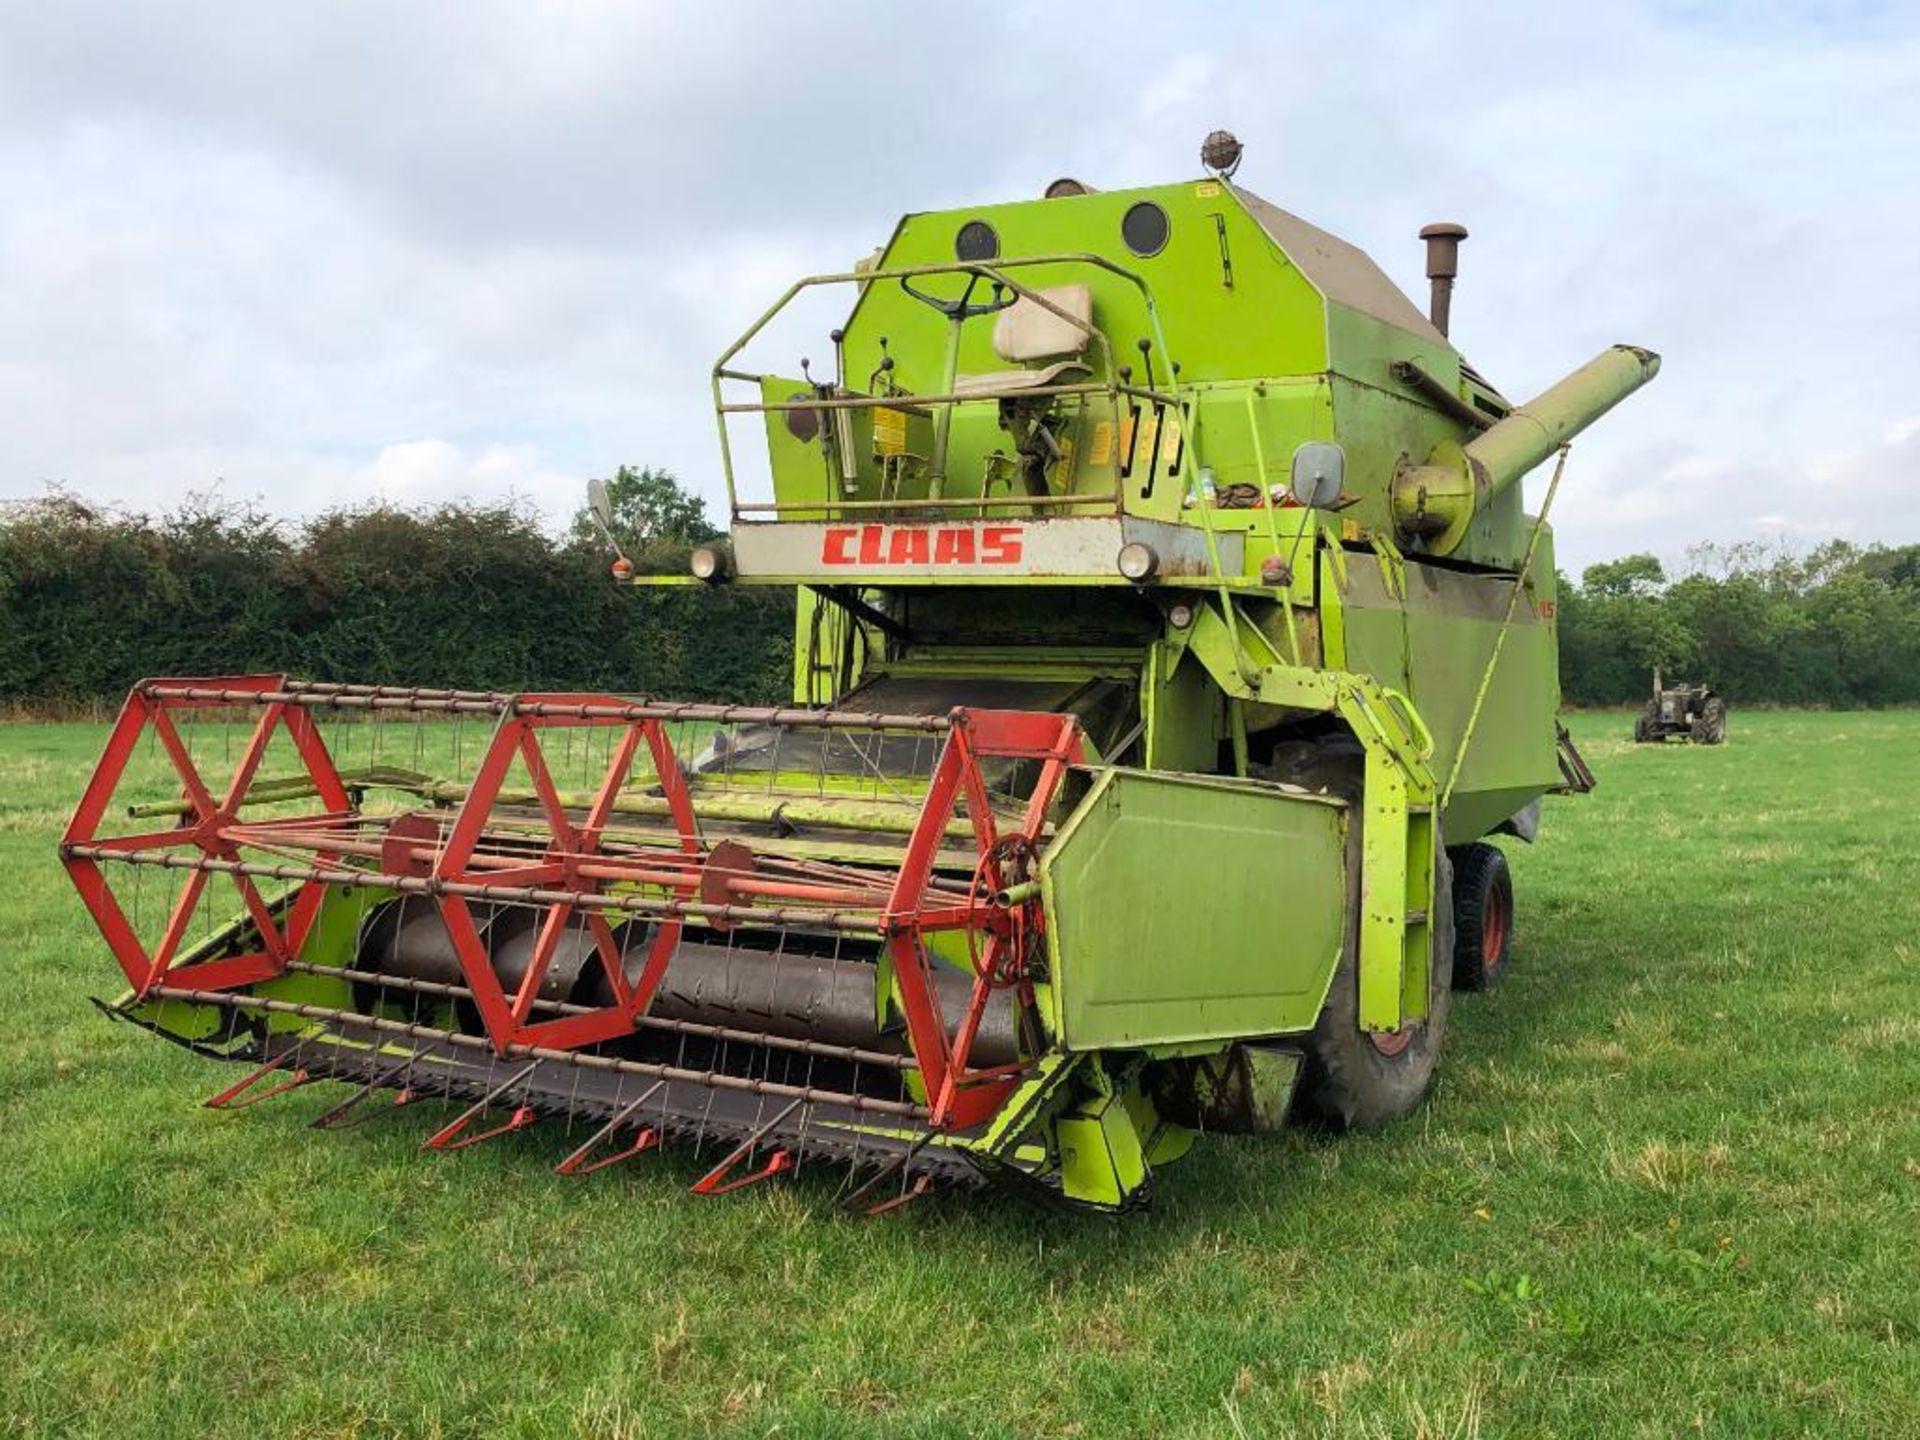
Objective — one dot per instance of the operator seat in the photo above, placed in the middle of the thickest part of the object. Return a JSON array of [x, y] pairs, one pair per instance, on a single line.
[[1026, 332]]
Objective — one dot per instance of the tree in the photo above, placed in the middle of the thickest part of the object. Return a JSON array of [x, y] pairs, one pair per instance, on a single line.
[[655, 521], [1637, 575]]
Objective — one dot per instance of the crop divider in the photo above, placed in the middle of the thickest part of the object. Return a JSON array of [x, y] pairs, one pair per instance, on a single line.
[[720, 1180], [241, 1094], [645, 1138], [450, 1137]]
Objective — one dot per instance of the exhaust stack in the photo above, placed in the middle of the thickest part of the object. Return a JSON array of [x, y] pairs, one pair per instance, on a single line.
[[1443, 263]]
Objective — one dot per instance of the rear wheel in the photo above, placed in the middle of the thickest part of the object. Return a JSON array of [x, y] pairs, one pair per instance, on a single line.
[[1482, 916], [1711, 727], [1643, 727]]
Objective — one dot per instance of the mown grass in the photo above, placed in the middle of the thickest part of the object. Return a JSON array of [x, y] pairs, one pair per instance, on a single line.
[[1670, 1184]]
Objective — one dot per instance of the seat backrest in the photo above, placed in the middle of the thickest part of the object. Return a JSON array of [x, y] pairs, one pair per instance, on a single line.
[[1026, 331]]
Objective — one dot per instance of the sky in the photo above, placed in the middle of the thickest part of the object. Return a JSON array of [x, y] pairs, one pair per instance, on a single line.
[[321, 252]]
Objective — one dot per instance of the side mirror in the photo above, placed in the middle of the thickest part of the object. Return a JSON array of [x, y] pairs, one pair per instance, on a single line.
[[600, 506], [599, 503], [1319, 474]]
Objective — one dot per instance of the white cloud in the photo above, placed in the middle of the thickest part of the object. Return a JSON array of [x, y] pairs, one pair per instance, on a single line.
[[426, 472], [1175, 85], [280, 244]]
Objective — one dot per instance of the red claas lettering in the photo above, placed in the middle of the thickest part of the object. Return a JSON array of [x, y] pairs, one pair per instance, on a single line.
[[880, 546], [1000, 545]]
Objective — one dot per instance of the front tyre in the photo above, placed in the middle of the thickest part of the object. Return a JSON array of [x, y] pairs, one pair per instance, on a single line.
[[1482, 916], [1356, 1080]]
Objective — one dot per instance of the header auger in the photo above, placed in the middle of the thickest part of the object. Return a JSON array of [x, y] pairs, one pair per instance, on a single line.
[[1171, 639]]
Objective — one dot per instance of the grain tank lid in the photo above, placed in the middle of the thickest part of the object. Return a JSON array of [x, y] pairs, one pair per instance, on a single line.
[[1344, 273]]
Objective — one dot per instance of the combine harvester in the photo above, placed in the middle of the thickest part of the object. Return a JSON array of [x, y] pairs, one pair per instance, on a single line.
[[1171, 638]]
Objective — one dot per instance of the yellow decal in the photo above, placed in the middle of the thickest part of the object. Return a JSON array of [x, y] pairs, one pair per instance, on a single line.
[[1100, 452], [1150, 428], [1206, 190], [1349, 529], [1062, 474], [889, 432], [1170, 439]]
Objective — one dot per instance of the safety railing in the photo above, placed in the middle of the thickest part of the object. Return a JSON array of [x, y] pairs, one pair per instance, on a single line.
[[1119, 391]]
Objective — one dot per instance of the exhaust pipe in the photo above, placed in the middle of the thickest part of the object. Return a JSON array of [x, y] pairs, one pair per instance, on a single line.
[[1443, 239]]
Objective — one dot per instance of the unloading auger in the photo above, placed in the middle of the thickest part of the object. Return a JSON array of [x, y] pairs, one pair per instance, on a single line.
[[1171, 639]]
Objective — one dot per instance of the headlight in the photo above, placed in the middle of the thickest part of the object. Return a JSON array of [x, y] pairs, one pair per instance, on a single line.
[[711, 563], [1137, 561]]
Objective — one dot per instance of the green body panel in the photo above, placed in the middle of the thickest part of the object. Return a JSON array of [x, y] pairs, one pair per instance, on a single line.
[[1132, 967], [1184, 712], [1429, 632], [1201, 315]]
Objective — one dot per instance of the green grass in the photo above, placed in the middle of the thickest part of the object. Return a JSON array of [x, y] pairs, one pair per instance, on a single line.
[[1670, 1184]]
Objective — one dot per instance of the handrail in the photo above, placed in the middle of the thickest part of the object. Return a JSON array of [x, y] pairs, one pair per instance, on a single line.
[[994, 272]]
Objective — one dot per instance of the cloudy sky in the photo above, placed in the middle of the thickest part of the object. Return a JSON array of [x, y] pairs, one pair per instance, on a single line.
[[324, 252]]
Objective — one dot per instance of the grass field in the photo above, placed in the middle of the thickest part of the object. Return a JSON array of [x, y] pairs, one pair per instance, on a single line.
[[1670, 1185]]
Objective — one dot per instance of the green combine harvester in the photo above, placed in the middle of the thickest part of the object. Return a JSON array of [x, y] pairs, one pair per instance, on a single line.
[[1171, 640]]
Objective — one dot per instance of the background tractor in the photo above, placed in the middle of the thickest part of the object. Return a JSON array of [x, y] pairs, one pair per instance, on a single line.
[[1172, 642], [1690, 712]]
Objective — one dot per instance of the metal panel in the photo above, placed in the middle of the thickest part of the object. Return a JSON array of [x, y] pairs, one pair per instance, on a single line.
[[1250, 950], [1434, 644], [876, 551]]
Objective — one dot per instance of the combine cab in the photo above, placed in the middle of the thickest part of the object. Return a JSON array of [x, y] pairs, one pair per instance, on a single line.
[[1171, 640], [1687, 712]]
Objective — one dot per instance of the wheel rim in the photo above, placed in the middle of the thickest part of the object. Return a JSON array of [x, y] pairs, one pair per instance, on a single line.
[[1391, 1042], [1496, 921]]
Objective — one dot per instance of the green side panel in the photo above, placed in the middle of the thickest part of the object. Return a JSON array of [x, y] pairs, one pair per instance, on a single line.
[[1246, 433], [1192, 908], [1184, 712], [1364, 348], [1434, 644], [1379, 430], [804, 467]]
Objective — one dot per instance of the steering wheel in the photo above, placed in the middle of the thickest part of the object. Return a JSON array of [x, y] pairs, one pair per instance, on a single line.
[[963, 308]]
